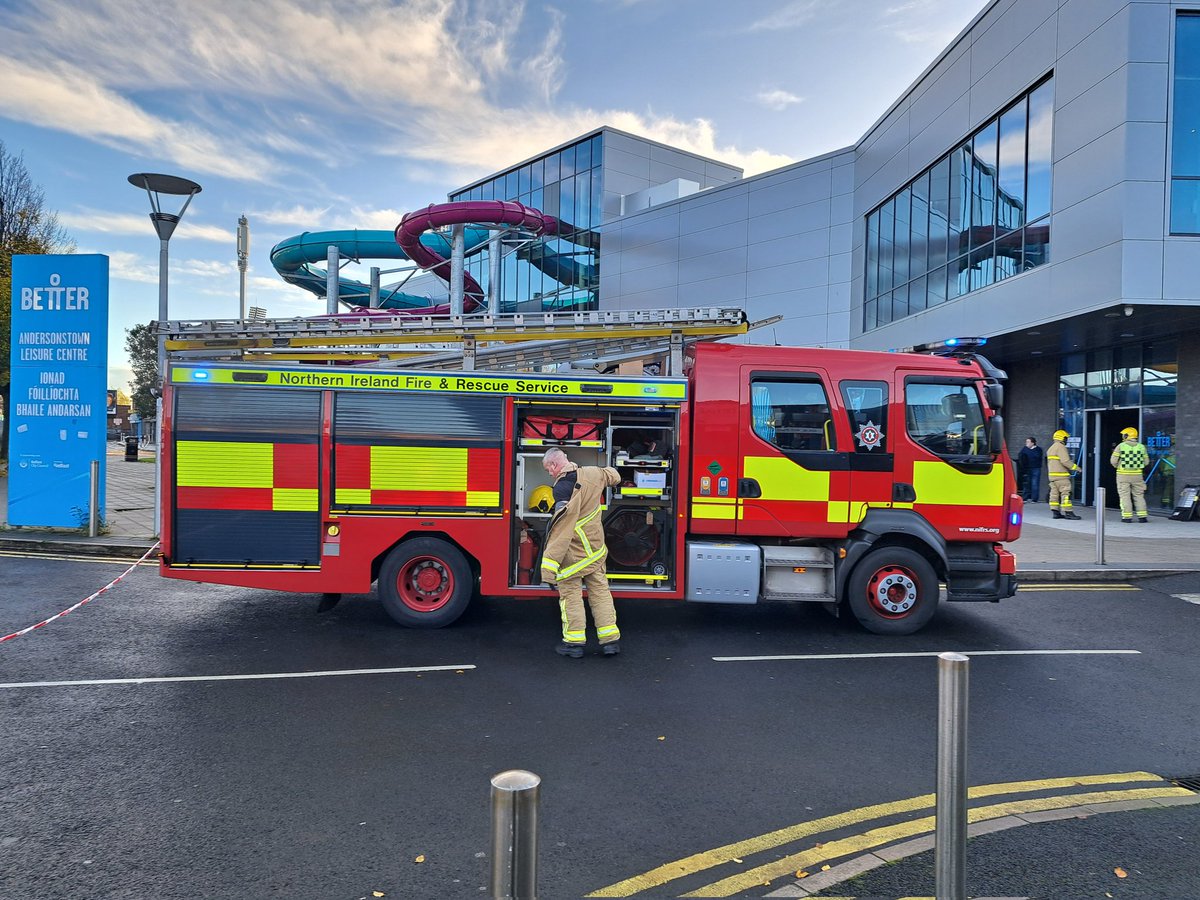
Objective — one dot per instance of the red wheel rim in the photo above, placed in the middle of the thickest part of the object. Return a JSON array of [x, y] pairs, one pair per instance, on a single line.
[[893, 592], [425, 584]]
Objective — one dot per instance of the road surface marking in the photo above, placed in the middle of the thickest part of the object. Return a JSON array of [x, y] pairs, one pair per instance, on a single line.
[[718, 856], [749, 878], [108, 560], [259, 677], [915, 654], [1189, 598]]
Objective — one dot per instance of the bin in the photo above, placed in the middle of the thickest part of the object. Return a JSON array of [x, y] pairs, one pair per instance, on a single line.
[[131, 449]]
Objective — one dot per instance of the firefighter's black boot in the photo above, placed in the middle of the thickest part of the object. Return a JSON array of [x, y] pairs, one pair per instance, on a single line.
[[1143, 519], [1057, 514], [612, 648], [1069, 514], [574, 651]]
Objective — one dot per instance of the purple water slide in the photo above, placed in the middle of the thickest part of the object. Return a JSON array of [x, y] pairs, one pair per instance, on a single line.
[[467, 212]]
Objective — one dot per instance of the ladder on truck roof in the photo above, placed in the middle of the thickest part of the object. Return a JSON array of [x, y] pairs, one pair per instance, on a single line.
[[521, 340]]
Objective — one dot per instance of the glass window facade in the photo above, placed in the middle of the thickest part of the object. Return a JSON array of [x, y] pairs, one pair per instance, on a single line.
[[979, 215], [1132, 376], [559, 272], [1185, 127]]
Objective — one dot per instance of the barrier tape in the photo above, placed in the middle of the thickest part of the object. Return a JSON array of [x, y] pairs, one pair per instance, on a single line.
[[111, 584]]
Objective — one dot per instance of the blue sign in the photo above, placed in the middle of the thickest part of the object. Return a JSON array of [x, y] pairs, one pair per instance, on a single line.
[[57, 419]]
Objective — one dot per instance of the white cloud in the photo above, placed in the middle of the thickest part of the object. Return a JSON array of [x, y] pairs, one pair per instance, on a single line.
[[389, 66], [68, 99], [94, 221], [124, 266], [778, 99], [932, 23], [790, 15], [301, 216], [205, 268]]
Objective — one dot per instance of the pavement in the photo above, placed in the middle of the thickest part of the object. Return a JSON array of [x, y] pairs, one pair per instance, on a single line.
[[1049, 551]]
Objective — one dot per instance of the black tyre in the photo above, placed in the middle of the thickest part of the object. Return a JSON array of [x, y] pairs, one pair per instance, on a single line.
[[893, 591], [426, 583]]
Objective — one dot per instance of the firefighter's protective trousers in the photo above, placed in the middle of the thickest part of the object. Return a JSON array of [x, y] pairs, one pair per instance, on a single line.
[[600, 599], [1060, 492], [1132, 491], [1129, 459], [575, 555]]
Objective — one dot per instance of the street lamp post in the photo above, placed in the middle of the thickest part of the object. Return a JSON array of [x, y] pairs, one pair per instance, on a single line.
[[157, 186]]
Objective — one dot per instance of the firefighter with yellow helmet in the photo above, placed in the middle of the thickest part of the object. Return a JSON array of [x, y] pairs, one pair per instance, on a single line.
[[1130, 458], [1060, 467]]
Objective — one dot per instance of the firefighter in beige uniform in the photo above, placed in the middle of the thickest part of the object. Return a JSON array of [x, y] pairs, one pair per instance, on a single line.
[[1129, 459], [1060, 468], [574, 553]]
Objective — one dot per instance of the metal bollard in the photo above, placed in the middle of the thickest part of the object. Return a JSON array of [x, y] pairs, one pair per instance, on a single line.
[[94, 500], [950, 853], [514, 835], [1101, 502]]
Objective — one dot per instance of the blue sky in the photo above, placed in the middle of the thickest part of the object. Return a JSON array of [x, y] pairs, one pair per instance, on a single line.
[[319, 114]]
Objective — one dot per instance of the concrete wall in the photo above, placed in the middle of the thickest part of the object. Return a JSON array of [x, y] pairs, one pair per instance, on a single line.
[[776, 244], [1031, 407]]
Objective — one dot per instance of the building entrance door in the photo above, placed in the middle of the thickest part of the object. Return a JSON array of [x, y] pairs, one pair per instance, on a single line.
[[1104, 433]]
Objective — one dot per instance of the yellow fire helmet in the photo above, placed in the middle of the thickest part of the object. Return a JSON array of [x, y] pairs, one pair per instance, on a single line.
[[1130, 433], [1061, 435], [542, 499]]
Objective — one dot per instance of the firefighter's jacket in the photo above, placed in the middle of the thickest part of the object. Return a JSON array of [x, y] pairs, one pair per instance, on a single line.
[[1129, 458], [575, 537], [1058, 461]]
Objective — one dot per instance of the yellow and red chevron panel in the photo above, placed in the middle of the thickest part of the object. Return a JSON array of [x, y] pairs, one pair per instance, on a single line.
[[242, 475], [416, 477]]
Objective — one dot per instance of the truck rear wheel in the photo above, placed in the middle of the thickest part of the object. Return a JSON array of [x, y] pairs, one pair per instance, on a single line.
[[893, 591], [425, 583]]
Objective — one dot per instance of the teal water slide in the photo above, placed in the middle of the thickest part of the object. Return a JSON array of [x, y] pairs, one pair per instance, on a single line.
[[417, 238], [296, 258]]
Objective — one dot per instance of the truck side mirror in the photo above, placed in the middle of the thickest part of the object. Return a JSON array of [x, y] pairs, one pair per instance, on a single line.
[[994, 391], [996, 435]]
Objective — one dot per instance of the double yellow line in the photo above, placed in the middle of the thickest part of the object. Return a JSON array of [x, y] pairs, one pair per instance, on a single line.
[[762, 875]]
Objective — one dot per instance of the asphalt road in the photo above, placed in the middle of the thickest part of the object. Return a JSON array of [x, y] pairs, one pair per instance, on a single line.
[[340, 786]]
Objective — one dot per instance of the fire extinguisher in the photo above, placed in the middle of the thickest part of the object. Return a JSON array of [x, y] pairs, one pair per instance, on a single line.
[[526, 556]]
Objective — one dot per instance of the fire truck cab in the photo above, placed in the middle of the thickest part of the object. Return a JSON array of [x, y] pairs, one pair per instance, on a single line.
[[861, 481]]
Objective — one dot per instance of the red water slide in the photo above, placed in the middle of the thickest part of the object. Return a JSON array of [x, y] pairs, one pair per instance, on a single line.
[[466, 212]]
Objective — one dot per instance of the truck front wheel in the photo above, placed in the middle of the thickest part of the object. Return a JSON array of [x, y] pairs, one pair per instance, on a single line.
[[425, 583], [893, 591]]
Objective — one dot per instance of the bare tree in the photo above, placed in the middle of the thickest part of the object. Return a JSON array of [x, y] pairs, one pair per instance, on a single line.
[[26, 226]]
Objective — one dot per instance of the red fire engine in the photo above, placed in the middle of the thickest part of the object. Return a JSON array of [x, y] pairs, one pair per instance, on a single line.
[[858, 480]]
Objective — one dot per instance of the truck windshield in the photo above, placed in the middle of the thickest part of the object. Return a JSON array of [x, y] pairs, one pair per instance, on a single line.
[[946, 418]]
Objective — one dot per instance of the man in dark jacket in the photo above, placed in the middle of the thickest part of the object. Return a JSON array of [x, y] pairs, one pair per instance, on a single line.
[[1029, 460]]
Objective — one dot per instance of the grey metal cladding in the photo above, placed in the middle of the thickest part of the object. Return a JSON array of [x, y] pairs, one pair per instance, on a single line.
[[377, 417], [635, 164], [211, 412], [1099, 53], [722, 207]]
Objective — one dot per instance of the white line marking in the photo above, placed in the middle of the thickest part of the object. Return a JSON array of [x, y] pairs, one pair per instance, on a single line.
[[260, 677], [1189, 598], [929, 653]]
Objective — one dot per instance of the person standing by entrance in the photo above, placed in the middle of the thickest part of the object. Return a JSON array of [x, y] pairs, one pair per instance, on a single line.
[[574, 553], [1030, 460], [1130, 458], [1060, 468]]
